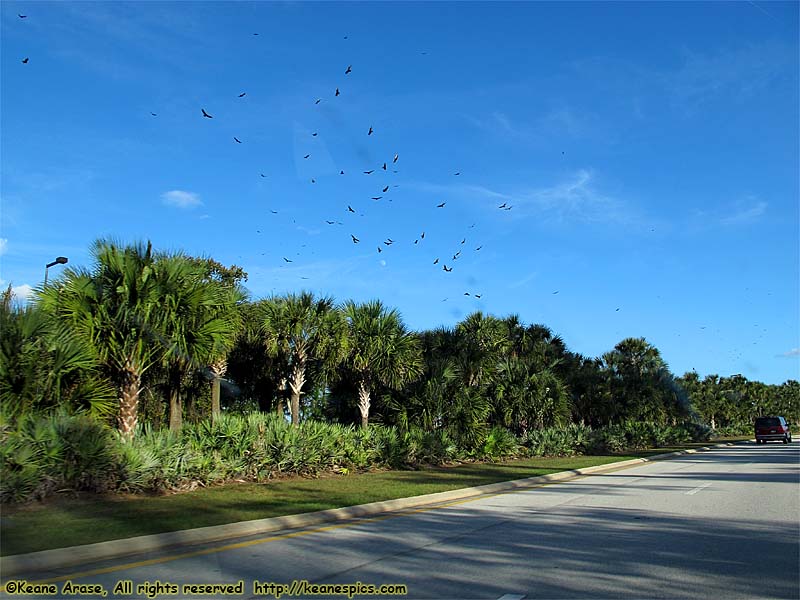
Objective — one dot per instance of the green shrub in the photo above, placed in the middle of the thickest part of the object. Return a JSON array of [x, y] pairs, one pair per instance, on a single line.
[[499, 443]]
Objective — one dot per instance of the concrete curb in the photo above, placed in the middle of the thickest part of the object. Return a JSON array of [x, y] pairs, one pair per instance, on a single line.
[[48, 560]]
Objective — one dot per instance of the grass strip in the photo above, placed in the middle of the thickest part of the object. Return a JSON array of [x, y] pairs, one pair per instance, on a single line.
[[86, 519]]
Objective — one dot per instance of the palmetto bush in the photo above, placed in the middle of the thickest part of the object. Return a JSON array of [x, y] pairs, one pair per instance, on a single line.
[[557, 441], [41, 454], [500, 443]]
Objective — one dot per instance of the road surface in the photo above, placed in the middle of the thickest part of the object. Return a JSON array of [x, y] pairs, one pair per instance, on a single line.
[[716, 524]]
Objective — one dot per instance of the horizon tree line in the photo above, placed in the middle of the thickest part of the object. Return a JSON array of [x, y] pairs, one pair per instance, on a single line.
[[167, 328]]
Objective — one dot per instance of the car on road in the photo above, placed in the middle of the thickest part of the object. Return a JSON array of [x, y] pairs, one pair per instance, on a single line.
[[772, 428]]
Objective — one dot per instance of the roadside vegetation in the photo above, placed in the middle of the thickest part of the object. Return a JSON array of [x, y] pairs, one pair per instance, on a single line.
[[151, 372]]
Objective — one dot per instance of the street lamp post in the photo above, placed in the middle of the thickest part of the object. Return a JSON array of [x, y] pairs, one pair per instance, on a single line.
[[60, 260]]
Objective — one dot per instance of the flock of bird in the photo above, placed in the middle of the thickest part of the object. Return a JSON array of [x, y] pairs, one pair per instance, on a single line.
[[384, 189], [447, 263]]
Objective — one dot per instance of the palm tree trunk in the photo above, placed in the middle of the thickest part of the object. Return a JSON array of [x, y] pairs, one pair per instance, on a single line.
[[363, 403], [216, 411], [281, 396], [219, 368], [129, 404], [296, 384], [175, 409]]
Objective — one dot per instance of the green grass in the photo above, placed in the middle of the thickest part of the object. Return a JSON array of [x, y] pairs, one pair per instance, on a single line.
[[71, 521]]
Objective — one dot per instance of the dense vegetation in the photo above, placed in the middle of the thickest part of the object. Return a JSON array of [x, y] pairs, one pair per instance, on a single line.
[[151, 371]]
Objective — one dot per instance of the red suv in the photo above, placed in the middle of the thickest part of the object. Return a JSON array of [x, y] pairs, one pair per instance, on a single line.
[[772, 428]]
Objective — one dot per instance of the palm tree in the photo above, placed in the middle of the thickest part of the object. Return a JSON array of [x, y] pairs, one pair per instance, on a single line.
[[303, 330], [480, 342], [381, 351], [641, 381], [117, 308], [200, 325], [43, 365], [232, 278]]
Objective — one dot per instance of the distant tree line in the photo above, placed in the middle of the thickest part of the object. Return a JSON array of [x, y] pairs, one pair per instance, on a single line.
[[160, 338]]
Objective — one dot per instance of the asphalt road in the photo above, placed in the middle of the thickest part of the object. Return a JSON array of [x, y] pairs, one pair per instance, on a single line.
[[718, 524]]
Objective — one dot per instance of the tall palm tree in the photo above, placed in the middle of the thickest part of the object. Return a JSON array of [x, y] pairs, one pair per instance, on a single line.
[[200, 324], [381, 351], [117, 308], [303, 330], [480, 341]]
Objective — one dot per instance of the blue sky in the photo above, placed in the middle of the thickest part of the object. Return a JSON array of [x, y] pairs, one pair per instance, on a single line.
[[649, 152]]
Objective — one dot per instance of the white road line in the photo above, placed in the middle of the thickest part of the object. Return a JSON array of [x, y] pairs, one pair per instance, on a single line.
[[511, 597], [697, 489]]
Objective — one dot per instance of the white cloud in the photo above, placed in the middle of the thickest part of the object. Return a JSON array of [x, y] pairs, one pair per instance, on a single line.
[[563, 120], [728, 73], [790, 353], [3, 245], [745, 215], [575, 199], [22, 292], [181, 199]]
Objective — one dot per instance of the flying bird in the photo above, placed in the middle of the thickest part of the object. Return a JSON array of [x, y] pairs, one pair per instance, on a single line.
[[377, 197], [306, 156], [446, 269], [464, 240], [477, 295], [154, 114], [349, 69], [25, 60], [416, 241], [370, 131], [205, 114], [330, 222], [422, 235], [313, 180], [369, 172], [556, 292], [355, 239], [337, 92], [466, 293], [396, 156], [386, 189], [441, 205], [242, 95], [341, 172], [380, 249], [318, 101], [459, 173], [286, 259], [238, 141], [503, 205], [436, 262], [22, 16], [350, 209], [262, 174], [618, 311], [384, 166], [508, 208], [314, 134], [274, 212], [478, 248]]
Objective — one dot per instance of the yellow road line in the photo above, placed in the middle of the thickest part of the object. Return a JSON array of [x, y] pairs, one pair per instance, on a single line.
[[274, 538]]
